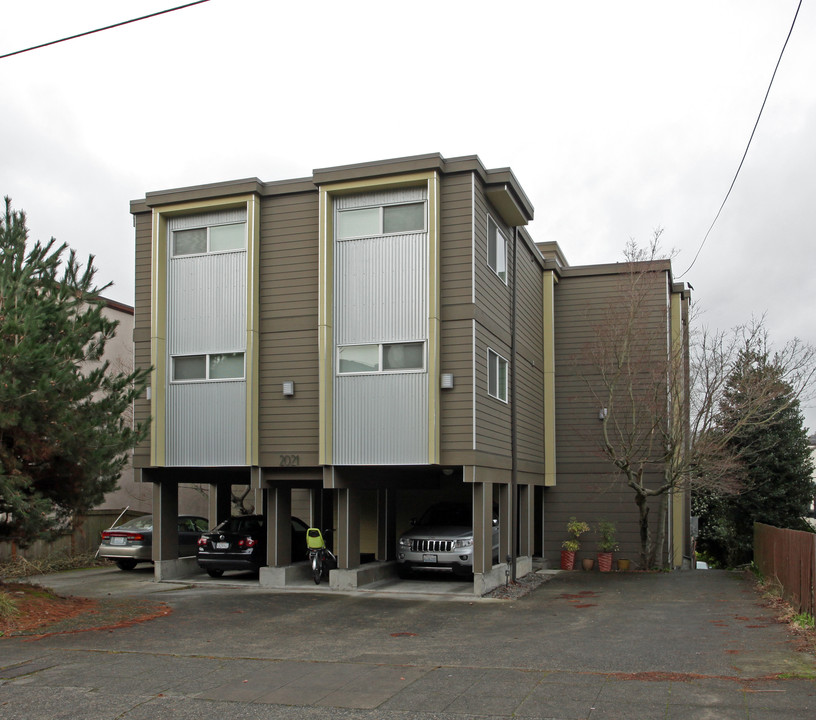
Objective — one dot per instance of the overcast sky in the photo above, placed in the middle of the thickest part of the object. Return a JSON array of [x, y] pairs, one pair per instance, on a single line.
[[616, 117]]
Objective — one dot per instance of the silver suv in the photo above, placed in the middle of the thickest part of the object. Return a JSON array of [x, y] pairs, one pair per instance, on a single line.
[[442, 539]]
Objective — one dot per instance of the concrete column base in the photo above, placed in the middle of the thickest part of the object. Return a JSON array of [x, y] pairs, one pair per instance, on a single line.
[[353, 578], [280, 577], [175, 569], [485, 582]]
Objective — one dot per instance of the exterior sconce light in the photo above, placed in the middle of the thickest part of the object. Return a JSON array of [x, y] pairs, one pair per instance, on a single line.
[[289, 388], [602, 415], [446, 381]]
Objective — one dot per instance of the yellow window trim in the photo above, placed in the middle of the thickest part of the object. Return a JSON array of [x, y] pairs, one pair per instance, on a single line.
[[158, 317], [326, 292]]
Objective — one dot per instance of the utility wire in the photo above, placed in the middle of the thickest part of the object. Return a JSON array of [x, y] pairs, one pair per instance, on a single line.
[[768, 92], [107, 27]]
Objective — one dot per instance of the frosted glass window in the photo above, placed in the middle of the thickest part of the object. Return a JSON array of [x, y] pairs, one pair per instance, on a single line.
[[403, 356], [358, 223], [496, 376], [190, 242], [404, 218], [496, 250], [191, 367], [359, 358], [228, 237], [226, 365]]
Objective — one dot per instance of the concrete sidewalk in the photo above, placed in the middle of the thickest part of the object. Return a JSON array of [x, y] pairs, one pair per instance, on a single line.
[[583, 645]]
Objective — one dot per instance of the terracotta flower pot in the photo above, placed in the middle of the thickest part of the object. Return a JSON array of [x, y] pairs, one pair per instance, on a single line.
[[587, 563], [604, 561], [567, 560]]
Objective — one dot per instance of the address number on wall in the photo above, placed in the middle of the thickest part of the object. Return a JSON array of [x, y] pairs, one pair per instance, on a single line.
[[289, 460]]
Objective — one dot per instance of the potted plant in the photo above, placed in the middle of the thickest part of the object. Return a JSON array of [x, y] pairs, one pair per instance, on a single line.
[[606, 545], [575, 528]]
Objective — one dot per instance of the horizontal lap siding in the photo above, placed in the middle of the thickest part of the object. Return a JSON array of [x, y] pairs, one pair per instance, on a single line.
[[529, 357], [288, 306], [456, 336], [587, 486], [582, 308], [494, 300], [141, 324]]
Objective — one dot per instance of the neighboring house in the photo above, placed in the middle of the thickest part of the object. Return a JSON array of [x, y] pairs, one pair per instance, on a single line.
[[358, 344]]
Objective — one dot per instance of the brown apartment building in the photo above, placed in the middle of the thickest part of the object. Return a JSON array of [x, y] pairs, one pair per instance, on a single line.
[[361, 343]]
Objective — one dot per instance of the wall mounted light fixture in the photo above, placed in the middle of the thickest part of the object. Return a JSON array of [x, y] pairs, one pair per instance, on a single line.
[[288, 388], [446, 381], [602, 414]]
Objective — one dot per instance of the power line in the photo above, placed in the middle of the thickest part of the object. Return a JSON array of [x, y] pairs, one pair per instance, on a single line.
[[736, 175], [107, 27]]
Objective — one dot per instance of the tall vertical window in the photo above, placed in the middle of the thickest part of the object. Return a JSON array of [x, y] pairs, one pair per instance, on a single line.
[[496, 250], [496, 376]]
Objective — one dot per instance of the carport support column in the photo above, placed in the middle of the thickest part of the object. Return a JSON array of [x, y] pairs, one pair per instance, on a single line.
[[386, 522], [220, 503], [278, 526], [347, 541], [482, 527], [166, 563], [526, 520], [165, 521], [505, 524]]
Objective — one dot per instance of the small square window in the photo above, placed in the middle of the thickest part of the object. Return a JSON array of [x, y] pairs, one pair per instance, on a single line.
[[190, 367], [404, 218], [358, 223], [496, 250], [496, 376], [359, 358], [227, 237], [403, 356], [190, 242], [226, 366]]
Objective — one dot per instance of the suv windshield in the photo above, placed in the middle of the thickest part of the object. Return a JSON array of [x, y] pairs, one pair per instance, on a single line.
[[447, 514]]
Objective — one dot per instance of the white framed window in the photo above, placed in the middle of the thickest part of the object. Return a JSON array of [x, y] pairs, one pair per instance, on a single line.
[[209, 239], [496, 375], [381, 357], [381, 220], [496, 250], [209, 366]]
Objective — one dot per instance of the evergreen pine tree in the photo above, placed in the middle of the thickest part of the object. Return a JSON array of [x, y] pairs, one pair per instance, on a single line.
[[64, 414], [774, 454]]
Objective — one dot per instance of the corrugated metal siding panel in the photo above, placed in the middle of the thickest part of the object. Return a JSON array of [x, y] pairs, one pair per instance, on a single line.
[[207, 303], [381, 295], [381, 419], [409, 194], [381, 289], [220, 217], [206, 424]]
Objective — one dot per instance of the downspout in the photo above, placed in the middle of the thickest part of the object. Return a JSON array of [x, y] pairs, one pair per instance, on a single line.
[[513, 440]]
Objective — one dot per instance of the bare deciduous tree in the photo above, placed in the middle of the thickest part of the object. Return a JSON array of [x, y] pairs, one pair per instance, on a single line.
[[662, 392]]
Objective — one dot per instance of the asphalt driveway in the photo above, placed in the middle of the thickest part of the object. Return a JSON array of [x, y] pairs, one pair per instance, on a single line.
[[583, 645]]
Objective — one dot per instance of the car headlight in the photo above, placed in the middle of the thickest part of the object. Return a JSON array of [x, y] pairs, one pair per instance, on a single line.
[[466, 542], [405, 542]]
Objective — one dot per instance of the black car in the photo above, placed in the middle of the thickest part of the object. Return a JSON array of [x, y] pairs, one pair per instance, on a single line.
[[240, 544]]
